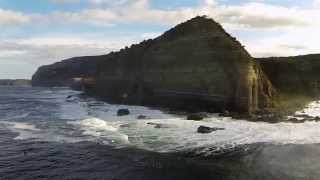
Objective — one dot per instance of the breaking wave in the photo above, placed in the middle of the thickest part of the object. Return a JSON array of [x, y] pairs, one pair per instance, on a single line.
[[86, 119]]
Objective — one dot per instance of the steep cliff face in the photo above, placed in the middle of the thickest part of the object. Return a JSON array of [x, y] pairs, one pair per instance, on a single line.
[[299, 74], [66, 72], [196, 65]]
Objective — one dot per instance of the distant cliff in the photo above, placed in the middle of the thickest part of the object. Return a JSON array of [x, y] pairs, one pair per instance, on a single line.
[[196, 65], [67, 72], [297, 74], [15, 82]]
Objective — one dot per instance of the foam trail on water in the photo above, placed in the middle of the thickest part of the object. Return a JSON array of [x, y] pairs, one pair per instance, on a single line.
[[21, 126], [86, 119]]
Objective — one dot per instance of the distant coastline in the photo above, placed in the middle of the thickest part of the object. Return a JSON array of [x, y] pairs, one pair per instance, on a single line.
[[15, 82]]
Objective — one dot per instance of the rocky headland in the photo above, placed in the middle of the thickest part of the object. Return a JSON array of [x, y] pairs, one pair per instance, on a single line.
[[196, 66]]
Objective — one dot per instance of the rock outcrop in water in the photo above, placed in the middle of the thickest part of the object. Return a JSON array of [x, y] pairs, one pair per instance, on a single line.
[[194, 66]]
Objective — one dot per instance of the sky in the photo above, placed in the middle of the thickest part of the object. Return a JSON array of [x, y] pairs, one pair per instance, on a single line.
[[40, 32]]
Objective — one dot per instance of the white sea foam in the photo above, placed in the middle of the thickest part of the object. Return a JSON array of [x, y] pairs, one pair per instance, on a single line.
[[95, 124], [90, 120], [313, 109], [20, 126], [101, 129], [24, 130], [73, 111], [183, 134], [29, 131]]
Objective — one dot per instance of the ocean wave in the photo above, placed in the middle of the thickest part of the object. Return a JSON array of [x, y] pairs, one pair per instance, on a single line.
[[312, 109], [87, 119], [18, 116], [183, 134], [20, 125], [102, 130]]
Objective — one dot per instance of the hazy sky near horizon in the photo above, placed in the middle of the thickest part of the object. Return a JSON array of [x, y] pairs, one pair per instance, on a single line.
[[38, 32]]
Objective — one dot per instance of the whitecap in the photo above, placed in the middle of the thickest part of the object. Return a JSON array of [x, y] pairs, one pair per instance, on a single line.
[[20, 126], [102, 131], [312, 109], [94, 124]]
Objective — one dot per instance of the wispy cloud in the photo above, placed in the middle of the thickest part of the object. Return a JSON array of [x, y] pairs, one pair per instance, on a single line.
[[247, 15], [265, 29], [11, 18]]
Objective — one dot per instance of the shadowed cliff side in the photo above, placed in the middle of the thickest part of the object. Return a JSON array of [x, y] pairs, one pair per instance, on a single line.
[[68, 72], [195, 66], [296, 78], [298, 74]]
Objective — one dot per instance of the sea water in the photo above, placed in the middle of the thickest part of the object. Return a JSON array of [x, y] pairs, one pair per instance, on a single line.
[[58, 133]]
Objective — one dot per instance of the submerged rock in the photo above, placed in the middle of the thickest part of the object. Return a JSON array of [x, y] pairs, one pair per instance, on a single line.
[[123, 112], [225, 114], [207, 130], [160, 125], [303, 116], [70, 98], [143, 117], [197, 116], [296, 120], [125, 125], [128, 125], [317, 119]]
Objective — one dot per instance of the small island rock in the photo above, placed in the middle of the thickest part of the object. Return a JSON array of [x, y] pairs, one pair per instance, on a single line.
[[123, 112], [197, 116], [207, 130]]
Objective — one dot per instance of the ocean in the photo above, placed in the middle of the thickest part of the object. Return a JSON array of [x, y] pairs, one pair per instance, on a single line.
[[58, 133]]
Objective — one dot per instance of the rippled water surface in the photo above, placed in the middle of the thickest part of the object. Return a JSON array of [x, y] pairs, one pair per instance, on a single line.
[[46, 134]]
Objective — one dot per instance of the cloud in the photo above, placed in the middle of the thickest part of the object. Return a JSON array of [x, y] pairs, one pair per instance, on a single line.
[[290, 42], [275, 30], [250, 15], [150, 35], [259, 15], [107, 2], [37, 51], [10, 18], [316, 3], [247, 15]]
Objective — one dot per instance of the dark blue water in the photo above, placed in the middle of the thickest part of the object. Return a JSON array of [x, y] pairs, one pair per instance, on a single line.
[[44, 135]]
